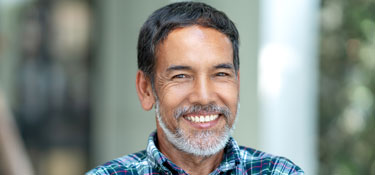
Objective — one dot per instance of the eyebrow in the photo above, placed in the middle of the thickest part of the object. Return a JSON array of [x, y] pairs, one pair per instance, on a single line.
[[224, 66], [178, 67]]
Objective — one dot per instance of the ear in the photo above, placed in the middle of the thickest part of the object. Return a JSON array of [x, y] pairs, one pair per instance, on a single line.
[[144, 91]]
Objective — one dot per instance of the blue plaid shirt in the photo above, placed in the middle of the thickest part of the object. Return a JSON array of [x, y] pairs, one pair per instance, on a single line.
[[237, 160]]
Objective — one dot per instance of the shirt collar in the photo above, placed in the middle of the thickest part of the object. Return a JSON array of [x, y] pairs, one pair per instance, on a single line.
[[153, 153], [231, 157], [230, 160]]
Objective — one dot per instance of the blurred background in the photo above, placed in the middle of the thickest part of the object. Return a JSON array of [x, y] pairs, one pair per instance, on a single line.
[[67, 83]]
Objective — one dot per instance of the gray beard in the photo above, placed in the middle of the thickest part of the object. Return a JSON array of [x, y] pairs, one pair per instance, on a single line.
[[201, 143]]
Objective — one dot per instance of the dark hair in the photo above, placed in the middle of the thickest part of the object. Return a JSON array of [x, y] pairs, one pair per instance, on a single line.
[[181, 14]]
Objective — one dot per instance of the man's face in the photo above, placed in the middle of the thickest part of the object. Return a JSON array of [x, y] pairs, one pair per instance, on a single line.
[[196, 89]]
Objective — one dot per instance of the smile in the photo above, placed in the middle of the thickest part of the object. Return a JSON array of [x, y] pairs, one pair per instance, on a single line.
[[202, 118]]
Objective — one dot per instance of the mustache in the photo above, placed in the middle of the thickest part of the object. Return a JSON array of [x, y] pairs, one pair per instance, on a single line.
[[196, 108]]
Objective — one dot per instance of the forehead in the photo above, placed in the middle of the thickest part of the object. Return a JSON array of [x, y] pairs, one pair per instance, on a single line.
[[194, 43]]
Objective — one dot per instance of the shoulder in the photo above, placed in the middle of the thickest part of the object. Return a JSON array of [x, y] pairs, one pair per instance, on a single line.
[[129, 164], [257, 161]]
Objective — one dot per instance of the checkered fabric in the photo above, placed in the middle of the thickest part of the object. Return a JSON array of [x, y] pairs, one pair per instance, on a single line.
[[237, 160]]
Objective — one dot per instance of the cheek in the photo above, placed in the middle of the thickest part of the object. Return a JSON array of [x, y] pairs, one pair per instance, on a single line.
[[229, 94], [174, 94], [228, 91], [172, 98]]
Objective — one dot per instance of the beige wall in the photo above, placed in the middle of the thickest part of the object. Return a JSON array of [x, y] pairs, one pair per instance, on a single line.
[[120, 126]]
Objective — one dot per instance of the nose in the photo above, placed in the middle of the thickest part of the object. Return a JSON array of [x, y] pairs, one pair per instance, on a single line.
[[203, 91]]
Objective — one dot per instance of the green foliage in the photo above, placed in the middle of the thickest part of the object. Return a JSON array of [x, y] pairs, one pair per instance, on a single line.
[[347, 87]]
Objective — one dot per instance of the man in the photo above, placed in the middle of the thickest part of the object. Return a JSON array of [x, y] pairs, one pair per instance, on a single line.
[[189, 70]]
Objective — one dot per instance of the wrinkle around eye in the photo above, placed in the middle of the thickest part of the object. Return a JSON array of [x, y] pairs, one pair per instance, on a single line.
[[164, 82]]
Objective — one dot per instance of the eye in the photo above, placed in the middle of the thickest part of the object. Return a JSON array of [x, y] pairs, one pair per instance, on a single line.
[[222, 74], [179, 76]]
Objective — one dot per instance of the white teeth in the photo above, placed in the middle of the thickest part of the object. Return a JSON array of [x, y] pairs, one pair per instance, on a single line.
[[196, 119], [207, 118], [201, 119]]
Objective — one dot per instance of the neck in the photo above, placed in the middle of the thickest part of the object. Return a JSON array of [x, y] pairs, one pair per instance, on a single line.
[[190, 163]]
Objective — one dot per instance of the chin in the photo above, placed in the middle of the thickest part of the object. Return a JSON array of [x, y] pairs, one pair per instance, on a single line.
[[198, 142]]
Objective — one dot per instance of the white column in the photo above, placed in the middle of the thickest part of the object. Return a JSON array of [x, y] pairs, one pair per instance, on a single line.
[[288, 68]]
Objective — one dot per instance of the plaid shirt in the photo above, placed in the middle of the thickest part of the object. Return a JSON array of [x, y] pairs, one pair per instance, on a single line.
[[237, 160]]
